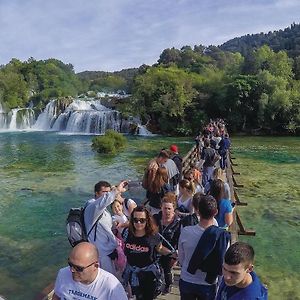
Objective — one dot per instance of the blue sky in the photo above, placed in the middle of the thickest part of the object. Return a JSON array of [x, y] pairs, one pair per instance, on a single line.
[[115, 34]]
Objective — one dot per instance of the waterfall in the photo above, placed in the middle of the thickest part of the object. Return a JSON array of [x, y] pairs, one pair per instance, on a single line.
[[80, 117], [67, 115], [2, 117], [46, 119], [16, 119], [142, 130]]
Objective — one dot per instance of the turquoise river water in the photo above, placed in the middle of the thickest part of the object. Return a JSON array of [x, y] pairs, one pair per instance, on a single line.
[[43, 174]]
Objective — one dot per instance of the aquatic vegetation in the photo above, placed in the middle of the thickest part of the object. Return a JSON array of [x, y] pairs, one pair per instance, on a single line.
[[111, 143]]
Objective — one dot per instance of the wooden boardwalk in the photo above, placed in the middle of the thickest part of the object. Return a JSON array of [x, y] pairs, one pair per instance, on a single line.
[[174, 295]]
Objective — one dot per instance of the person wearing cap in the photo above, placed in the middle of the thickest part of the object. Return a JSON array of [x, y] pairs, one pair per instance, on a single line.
[[176, 158], [173, 172]]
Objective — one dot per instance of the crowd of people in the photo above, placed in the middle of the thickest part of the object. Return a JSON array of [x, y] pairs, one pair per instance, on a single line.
[[132, 249]]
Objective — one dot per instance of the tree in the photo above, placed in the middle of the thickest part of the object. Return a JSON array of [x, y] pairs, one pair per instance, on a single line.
[[164, 95]]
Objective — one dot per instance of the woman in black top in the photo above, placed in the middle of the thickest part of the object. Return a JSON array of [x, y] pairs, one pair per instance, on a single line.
[[169, 227], [141, 247]]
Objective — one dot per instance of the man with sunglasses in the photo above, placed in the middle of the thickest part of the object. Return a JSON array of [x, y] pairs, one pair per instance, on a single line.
[[83, 279]]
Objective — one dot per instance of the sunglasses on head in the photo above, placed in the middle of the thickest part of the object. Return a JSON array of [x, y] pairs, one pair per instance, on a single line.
[[79, 268], [139, 220]]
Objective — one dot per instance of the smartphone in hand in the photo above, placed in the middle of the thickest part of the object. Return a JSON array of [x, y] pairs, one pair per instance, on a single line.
[[134, 184]]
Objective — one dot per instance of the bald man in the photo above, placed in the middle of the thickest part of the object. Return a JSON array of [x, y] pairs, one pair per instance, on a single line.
[[84, 279]]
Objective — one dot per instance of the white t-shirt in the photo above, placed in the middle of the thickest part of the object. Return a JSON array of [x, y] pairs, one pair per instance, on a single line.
[[105, 287], [186, 204], [127, 204], [120, 219]]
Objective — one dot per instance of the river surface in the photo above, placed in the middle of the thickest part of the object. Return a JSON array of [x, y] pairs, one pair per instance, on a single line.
[[43, 174]]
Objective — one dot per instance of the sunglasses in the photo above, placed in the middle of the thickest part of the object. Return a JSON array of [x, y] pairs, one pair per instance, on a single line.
[[139, 220], [79, 268]]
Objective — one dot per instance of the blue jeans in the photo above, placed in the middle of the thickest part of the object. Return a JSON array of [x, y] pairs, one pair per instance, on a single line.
[[207, 174], [192, 291]]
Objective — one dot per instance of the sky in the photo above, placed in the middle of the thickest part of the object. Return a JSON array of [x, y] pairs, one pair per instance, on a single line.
[[111, 35]]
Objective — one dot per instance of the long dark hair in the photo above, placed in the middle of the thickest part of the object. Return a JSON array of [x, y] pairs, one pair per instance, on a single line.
[[160, 179], [217, 190], [150, 228]]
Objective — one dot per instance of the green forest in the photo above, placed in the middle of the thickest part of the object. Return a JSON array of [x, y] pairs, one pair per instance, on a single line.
[[253, 82]]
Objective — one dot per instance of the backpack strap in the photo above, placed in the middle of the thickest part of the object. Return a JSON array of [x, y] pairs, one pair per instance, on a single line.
[[126, 203], [95, 225]]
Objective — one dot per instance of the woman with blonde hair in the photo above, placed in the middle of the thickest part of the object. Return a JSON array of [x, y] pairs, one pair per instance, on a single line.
[[184, 201], [219, 174], [157, 189]]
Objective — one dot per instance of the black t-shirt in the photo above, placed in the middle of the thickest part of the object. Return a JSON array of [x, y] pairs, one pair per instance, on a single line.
[[140, 251]]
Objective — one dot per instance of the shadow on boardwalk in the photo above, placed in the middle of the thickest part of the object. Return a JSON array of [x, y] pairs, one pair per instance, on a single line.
[[174, 295]]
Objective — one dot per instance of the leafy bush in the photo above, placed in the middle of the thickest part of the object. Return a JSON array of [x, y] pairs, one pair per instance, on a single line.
[[109, 143]]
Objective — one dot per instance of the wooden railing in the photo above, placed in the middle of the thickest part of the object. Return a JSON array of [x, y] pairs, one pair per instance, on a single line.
[[191, 158]]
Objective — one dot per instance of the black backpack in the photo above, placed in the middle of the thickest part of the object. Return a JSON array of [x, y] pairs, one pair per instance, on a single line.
[[75, 226]]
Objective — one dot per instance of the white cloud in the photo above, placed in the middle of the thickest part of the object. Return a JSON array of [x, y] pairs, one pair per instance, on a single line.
[[116, 34]]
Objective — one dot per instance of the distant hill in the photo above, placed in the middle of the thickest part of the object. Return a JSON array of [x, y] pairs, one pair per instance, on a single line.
[[109, 81], [91, 75], [287, 39]]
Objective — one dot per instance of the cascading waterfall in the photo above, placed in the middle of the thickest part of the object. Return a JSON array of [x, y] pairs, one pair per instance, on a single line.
[[16, 119], [3, 118], [142, 130], [79, 117]]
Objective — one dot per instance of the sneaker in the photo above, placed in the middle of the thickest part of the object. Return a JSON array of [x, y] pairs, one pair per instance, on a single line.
[[166, 290]]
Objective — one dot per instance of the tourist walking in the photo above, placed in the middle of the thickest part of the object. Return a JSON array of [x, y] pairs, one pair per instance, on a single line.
[[177, 159], [224, 146], [98, 218], [201, 250], [239, 280], [157, 189], [142, 244], [184, 201], [207, 156], [169, 228], [152, 168], [225, 215]]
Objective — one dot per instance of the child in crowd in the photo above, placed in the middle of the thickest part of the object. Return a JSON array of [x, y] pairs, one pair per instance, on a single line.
[[120, 221]]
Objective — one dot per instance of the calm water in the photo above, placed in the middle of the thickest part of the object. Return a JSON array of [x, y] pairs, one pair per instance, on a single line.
[[270, 168], [42, 175]]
